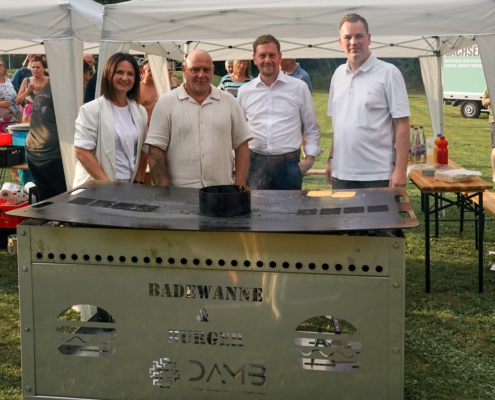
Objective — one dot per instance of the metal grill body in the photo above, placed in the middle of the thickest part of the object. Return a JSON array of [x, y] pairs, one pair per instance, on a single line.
[[209, 315]]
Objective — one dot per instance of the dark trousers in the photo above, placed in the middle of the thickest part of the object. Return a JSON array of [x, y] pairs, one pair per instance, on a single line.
[[49, 179], [342, 184], [266, 175]]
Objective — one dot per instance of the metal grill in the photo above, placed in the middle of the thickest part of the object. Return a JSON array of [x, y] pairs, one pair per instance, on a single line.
[[134, 295]]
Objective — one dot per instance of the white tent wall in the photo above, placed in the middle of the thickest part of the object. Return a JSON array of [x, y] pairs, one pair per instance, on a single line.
[[152, 21], [25, 24], [66, 69], [486, 46], [431, 73], [159, 71]]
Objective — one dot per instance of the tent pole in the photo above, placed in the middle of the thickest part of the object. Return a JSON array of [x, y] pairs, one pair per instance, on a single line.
[[440, 86]]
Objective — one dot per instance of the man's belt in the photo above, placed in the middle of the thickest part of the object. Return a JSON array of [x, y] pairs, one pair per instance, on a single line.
[[276, 158]]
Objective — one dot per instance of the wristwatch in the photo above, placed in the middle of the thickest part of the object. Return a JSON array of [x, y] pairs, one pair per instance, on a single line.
[[330, 159]]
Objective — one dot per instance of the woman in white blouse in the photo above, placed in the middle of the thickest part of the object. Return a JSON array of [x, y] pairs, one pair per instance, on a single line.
[[111, 130]]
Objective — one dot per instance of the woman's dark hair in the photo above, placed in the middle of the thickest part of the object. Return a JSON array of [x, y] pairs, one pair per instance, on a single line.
[[107, 89]]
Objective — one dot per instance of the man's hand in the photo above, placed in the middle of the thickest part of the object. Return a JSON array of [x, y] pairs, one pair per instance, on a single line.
[[398, 179], [306, 165], [328, 173]]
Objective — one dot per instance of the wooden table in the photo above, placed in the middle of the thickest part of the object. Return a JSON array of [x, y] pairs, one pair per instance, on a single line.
[[20, 166], [430, 187]]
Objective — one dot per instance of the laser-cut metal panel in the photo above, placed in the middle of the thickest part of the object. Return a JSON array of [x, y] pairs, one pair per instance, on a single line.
[[152, 321], [116, 204]]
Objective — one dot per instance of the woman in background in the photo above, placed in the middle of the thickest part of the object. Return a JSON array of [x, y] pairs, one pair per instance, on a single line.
[[8, 106], [30, 87], [111, 130], [240, 76]]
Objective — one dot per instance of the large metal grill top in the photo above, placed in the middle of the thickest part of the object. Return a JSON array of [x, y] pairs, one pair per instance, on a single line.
[[125, 205]]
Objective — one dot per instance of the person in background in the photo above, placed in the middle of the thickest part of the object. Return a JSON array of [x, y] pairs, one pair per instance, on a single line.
[[111, 130], [25, 72], [90, 89], [89, 59], [174, 82], [147, 94], [196, 150], [292, 68], [487, 103], [8, 107], [229, 67], [42, 145], [276, 106], [369, 107], [241, 75], [31, 86]]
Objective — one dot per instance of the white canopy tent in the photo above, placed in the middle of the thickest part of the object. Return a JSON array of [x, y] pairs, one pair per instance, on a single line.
[[226, 29], [62, 29]]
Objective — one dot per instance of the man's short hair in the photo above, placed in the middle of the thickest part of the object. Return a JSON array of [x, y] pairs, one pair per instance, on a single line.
[[354, 18], [107, 89], [265, 39], [229, 61], [86, 67]]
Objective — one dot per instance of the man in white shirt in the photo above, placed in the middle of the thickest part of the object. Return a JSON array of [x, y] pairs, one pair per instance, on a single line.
[[194, 129], [369, 107], [276, 106]]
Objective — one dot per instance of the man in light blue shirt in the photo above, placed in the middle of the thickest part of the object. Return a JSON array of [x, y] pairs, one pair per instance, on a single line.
[[292, 68]]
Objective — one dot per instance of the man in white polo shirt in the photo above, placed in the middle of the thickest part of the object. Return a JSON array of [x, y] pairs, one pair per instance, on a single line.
[[370, 116], [194, 129], [276, 106]]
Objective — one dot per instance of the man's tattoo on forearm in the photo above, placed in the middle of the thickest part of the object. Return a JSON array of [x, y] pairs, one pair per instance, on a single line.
[[158, 172]]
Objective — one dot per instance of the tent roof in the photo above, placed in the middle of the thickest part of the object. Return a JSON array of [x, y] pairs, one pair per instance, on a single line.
[[27, 23], [309, 29]]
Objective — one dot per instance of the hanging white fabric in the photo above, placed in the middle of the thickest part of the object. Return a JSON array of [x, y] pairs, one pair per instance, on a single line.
[[65, 61]]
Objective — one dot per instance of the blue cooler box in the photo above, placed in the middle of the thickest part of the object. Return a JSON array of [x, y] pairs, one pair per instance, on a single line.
[[19, 134]]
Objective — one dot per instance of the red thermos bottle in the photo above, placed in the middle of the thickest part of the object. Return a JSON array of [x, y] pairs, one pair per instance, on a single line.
[[443, 151]]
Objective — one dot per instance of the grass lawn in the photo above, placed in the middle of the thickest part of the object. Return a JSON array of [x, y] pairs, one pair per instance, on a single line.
[[450, 333]]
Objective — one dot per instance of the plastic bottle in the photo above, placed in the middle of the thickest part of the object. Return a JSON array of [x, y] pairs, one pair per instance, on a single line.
[[443, 151], [411, 143], [417, 146], [423, 144], [435, 148]]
